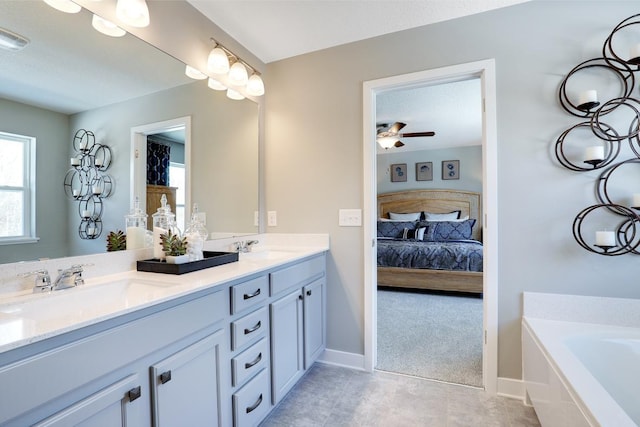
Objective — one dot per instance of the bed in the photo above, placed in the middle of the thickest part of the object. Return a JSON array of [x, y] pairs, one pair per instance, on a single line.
[[399, 265]]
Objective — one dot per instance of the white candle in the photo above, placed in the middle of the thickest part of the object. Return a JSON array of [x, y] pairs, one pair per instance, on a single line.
[[605, 238], [83, 145], [97, 189], [636, 200], [75, 161], [135, 237], [76, 193], [91, 231], [635, 51], [98, 163], [588, 96], [594, 153], [158, 253], [85, 214]]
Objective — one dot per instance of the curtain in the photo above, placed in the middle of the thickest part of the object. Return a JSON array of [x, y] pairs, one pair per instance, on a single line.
[[157, 163]]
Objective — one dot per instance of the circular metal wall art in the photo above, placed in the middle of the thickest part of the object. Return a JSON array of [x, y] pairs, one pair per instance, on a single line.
[[625, 240], [612, 149], [602, 190], [607, 48], [604, 131]]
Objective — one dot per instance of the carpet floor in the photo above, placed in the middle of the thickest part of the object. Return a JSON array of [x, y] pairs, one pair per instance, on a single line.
[[430, 335]]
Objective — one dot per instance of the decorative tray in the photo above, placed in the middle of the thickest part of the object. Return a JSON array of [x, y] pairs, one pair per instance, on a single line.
[[211, 259]]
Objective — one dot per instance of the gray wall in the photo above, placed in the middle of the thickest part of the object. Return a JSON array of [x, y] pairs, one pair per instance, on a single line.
[[470, 169], [51, 131], [314, 153]]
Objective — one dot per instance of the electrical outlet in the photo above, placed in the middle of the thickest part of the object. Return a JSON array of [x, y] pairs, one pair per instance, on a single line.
[[272, 219], [350, 217], [256, 218]]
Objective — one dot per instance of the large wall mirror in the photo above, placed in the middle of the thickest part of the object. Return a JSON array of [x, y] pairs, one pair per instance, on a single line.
[[72, 77]]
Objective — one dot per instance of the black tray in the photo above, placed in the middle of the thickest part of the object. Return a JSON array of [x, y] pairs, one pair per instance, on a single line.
[[211, 259]]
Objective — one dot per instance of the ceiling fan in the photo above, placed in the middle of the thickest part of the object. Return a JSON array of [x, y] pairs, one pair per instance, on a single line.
[[389, 135]]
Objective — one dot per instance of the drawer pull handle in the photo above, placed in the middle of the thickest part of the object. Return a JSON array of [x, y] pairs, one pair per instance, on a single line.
[[255, 405], [254, 362], [134, 393], [255, 294], [165, 377], [300, 297], [309, 292], [247, 331]]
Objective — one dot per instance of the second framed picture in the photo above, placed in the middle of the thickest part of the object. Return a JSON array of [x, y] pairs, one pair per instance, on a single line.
[[451, 169], [424, 171]]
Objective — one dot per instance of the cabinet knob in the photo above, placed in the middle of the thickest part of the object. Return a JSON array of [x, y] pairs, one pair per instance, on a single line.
[[165, 377], [247, 331], [249, 296], [300, 296], [255, 405], [134, 393], [309, 292]]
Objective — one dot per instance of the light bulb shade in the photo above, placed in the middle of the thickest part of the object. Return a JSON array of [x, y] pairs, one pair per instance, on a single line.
[[238, 74], [194, 74], [133, 12], [66, 6], [215, 84], [255, 86], [234, 94], [107, 27], [387, 141], [218, 62]]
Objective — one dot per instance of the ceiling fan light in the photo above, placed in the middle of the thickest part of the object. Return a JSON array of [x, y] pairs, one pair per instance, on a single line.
[[234, 94], [255, 85], [218, 62], [106, 27], [66, 6], [194, 74], [387, 142], [215, 84], [133, 12], [238, 74]]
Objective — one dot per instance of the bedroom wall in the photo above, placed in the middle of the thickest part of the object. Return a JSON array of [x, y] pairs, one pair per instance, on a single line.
[[313, 153], [470, 169]]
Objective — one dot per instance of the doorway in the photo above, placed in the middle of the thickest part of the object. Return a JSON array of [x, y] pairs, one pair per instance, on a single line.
[[485, 71]]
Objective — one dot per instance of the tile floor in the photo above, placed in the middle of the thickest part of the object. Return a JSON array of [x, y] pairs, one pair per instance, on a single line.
[[334, 396]]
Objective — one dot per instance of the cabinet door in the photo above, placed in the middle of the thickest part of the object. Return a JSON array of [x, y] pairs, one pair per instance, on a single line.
[[286, 344], [120, 404], [314, 322], [186, 385]]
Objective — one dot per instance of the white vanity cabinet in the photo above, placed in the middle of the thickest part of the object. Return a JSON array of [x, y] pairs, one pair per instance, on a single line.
[[298, 324]]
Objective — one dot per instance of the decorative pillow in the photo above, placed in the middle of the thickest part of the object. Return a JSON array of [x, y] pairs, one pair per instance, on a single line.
[[416, 234], [391, 220], [394, 229], [429, 216], [405, 216], [438, 231]]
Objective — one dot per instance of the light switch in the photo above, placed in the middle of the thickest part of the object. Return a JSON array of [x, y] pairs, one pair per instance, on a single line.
[[272, 219], [350, 217]]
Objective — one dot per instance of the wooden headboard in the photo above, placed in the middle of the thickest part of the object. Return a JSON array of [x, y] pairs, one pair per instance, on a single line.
[[436, 201]]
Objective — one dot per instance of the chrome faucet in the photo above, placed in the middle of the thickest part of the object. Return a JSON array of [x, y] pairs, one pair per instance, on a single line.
[[245, 246], [43, 280], [69, 277]]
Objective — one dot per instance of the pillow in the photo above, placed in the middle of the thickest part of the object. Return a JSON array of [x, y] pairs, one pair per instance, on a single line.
[[394, 229], [438, 231], [429, 216], [391, 220], [416, 234], [405, 216]]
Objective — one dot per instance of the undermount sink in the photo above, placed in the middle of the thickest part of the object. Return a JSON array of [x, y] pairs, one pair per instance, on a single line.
[[266, 254], [86, 300]]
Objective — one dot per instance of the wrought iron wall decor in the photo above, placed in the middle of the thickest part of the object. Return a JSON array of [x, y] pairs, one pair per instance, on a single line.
[[87, 183], [622, 236]]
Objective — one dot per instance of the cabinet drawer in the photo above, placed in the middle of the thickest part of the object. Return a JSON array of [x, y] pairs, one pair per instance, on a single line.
[[251, 402], [248, 294], [298, 274], [249, 362], [249, 328]]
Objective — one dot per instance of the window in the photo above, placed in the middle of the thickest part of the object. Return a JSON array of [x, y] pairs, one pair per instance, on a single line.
[[17, 188], [177, 178]]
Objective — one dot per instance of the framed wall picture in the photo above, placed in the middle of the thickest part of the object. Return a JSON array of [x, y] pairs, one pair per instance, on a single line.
[[399, 172], [450, 169], [424, 171]]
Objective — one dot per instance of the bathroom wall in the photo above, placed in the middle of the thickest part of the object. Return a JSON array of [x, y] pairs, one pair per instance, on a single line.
[[314, 162]]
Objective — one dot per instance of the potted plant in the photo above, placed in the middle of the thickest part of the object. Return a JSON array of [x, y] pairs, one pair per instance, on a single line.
[[174, 247], [116, 241]]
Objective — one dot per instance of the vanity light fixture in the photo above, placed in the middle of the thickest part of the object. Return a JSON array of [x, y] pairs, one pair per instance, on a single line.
[[12, 41], [238, 74], [66, 6], [255, 85], [133, 12], [194, 74], [234, 94], [106, 27], [215, 84], [218, 62]]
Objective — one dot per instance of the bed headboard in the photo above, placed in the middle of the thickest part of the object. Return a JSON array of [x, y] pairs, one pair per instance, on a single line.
[[437, 201]]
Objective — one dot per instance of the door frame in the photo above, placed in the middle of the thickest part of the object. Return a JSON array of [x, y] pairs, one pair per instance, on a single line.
[[485, 70]]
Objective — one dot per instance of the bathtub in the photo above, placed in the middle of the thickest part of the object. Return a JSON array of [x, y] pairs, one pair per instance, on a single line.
[[579, 370]]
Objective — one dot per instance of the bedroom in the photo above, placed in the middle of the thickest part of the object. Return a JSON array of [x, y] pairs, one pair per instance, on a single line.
[[415, 175]]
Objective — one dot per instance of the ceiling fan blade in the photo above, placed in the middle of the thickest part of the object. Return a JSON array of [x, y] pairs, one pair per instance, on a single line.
[[398, 144], [395, 128], [416, 134]]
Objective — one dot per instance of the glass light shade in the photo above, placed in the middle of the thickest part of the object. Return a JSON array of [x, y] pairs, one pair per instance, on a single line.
[[218, 62], [234, 94], [255, 86], [238, 74], [387, 142], [194, 74], [66, 6], [107, 27], [215, 84], [133, 12]]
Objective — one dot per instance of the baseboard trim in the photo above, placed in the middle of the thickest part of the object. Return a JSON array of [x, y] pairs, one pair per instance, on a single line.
[[509, 387], [342, 358]]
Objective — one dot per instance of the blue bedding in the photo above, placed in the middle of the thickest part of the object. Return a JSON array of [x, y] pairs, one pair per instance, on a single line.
[[456, 255]]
